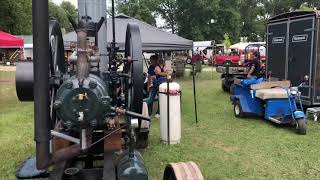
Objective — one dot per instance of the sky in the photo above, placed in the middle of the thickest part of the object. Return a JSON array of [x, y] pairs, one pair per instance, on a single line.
[[74, 2]]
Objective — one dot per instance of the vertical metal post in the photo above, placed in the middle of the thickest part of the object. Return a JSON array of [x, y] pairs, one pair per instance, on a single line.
[[113, 24], [168, 110], [40, 28], [194, 93]]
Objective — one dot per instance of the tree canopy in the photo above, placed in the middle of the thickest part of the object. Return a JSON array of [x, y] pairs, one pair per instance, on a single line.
[[192, 19], [212, 19], [16, 16]]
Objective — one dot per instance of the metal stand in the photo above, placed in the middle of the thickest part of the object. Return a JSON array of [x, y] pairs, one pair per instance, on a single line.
[[194, 93]]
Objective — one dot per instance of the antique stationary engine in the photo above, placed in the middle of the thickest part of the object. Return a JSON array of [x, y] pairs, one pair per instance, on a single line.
[[89, 112]]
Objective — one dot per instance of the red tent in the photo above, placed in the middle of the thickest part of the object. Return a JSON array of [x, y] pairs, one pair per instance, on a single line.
[[10, 41]]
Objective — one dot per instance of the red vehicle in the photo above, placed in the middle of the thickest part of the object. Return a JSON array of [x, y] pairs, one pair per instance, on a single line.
[[237, 56], [202, 57], [220, 59]]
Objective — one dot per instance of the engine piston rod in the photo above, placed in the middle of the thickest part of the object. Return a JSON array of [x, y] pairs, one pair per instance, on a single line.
[[130, 113], [65, 137]]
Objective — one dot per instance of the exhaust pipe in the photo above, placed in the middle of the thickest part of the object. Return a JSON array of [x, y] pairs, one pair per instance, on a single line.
[[40, 26], [82, 62]]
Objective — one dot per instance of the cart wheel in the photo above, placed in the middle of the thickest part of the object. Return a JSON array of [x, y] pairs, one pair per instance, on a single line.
[[237, 109], [188, 61], [301, 126], [232, 88], [225, 87], [182, 171]]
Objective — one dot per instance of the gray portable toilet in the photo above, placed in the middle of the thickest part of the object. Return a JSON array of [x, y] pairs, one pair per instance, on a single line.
[[293, 51]]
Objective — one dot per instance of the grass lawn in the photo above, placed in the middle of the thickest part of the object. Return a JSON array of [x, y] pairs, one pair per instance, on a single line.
[[224, 147]]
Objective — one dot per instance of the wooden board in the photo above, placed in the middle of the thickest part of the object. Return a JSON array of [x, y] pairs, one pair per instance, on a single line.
[[271, 84]]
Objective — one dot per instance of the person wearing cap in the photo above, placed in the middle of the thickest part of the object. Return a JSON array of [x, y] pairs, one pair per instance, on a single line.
[[254, 65], [161, 74]]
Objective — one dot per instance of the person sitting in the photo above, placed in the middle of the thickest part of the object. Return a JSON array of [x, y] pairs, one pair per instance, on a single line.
[[151, 73], [161, 74], [254, 64]]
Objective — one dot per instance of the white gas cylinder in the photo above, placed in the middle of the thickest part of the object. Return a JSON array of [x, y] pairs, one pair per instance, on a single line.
[[174, 112]]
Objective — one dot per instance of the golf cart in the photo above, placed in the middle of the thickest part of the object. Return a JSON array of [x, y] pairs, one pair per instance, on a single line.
[[276, 101], [230, 71]]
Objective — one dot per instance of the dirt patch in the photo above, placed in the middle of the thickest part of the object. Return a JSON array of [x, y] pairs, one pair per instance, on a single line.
[[225, 148], [7, 68]]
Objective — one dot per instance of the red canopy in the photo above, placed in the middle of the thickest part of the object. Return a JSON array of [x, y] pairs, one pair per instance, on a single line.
[[10, 41]]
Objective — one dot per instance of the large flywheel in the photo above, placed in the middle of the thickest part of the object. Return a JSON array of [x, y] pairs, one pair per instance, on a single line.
[[57, 64], [134, 67]]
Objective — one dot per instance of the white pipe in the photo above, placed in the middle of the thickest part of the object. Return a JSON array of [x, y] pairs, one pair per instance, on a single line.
[[83, 139], [65, 137]]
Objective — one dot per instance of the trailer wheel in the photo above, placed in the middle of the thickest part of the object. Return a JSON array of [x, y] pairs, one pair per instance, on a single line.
[[237, 109], [224, 85], [301, 126], [182, 171]]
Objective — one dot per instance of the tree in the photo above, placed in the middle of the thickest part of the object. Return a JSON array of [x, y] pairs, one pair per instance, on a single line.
[[194, 19], [208, 19], [139, 9], [226, 42], [71, 12], [167, 9], [70, 9], [59, 14], [15, 16], [252, 20]]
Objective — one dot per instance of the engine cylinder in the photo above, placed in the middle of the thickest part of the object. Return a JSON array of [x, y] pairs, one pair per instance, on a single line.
[[82, 104]]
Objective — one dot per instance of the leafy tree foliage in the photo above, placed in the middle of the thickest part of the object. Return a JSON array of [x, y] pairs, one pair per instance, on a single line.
[[58, 13], [139, 9], [16, 16], [192, 19], [167, 9], [226, 42]]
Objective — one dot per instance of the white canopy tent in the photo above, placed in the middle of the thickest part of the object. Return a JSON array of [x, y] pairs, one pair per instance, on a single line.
[[242, 45]]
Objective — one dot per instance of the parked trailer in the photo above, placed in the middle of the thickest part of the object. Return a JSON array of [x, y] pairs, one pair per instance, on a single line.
[[293, 51]]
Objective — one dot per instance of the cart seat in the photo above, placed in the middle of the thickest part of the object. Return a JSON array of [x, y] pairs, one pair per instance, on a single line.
[[270, 84], [272, 93]]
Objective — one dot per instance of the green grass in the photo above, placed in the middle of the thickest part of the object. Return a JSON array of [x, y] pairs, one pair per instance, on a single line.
[[224, 147], [16, 128]]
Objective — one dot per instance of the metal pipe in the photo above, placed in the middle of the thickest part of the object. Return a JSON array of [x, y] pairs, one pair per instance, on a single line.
[[194, 93], [65, 137], [40, 25], [83, 139], [82, 62], [113, 23], [168, 111]]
